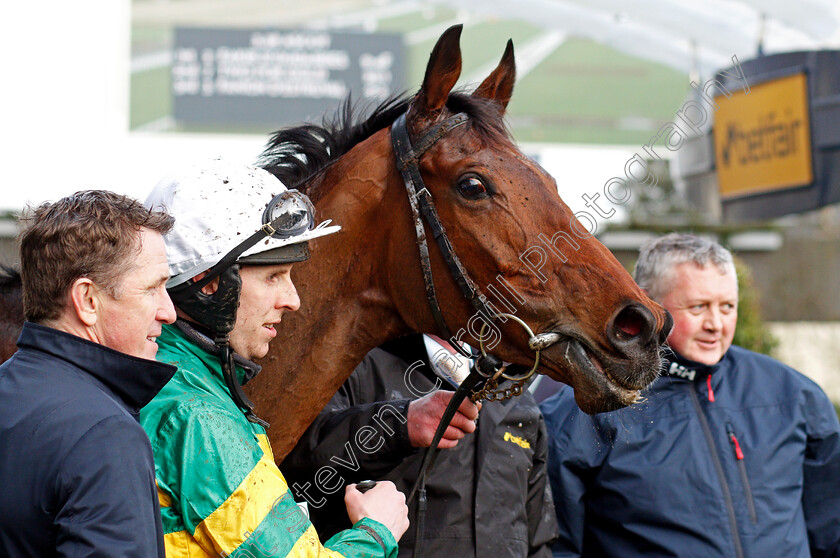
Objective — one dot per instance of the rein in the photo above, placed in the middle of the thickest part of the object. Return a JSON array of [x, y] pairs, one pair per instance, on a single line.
[[484, 376]]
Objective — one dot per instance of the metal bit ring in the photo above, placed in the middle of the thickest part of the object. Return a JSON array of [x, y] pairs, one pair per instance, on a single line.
[[530, 336]]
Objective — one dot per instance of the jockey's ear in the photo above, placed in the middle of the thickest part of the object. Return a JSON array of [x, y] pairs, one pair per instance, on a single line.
[[211, 287]]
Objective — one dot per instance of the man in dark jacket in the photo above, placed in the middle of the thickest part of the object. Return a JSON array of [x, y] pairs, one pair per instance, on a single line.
[[731, 454], [77, 469], [487, 491]]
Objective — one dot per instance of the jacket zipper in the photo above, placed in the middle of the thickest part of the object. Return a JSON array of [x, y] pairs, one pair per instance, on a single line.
[[742, 468], [727, 495]]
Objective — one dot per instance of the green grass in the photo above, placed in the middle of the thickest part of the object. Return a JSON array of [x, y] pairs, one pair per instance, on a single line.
[[406, 23], [149, 38], [587, 92], [150, 99]]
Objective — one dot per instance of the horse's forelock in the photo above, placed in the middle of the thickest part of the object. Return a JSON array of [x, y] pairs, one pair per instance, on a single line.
[[296, 154], [485, 116]]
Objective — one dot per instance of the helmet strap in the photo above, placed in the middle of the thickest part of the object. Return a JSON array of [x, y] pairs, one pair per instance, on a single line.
[[232, 382], [228, 260], [217, 311]]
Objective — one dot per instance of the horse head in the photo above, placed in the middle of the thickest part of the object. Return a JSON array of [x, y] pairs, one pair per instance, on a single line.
[[517, 242], [523, 248]]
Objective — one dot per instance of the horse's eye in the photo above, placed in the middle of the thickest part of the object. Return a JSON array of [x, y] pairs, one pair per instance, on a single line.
[[471, 187]]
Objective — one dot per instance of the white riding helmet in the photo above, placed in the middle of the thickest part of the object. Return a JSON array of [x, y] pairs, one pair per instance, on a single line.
[[217, 205], [227, 214]]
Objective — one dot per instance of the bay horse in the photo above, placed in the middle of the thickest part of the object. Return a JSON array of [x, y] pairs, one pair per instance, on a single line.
[[365, 286]]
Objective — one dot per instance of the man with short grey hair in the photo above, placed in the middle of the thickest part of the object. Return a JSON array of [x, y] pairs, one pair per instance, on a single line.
[[658, 257], [731, 453]]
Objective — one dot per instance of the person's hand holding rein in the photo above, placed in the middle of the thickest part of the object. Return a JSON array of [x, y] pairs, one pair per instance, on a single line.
[[424, 415], [382, 503]]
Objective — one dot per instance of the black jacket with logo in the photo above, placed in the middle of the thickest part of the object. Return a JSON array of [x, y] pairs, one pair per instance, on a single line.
[[488, 496], [76, 468]]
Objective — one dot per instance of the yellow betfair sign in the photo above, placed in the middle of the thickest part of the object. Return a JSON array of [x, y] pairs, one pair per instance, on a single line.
[[763, 138]]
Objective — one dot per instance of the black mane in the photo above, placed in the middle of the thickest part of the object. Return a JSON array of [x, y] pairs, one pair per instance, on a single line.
[[297, 154]]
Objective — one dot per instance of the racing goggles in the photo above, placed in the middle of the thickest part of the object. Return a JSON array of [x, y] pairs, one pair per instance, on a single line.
[[288, 214]]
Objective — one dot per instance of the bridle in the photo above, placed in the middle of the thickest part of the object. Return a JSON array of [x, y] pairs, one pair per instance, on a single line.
[[489, 368], [423, 207]]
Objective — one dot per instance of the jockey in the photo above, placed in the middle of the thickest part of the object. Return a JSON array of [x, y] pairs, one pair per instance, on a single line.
[[237, 232]]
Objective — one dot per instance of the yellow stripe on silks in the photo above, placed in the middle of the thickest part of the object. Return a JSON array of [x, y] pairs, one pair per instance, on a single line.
[[238, 516], [308, 543], [262, 440], [163, 499], [181, 545]]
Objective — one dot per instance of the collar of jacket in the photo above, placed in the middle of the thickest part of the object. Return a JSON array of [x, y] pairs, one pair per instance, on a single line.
[[133, 379], [677, 366], [246, 370]]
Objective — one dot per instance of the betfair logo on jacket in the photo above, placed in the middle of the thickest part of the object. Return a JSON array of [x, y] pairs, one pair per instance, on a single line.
[[680, 371], [518, 440]]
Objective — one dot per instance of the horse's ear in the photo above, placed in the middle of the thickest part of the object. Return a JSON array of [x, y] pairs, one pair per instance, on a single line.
[[442, 73], [498, 86]]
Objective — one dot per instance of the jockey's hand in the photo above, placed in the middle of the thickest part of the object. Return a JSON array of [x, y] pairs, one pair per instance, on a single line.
[[382, 503], [424, 415]]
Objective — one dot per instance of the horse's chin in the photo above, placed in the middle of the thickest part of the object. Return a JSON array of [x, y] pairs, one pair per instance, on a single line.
[[598, 388]]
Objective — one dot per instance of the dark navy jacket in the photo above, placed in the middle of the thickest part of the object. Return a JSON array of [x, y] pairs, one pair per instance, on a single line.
[[738, 459], [76, 469]]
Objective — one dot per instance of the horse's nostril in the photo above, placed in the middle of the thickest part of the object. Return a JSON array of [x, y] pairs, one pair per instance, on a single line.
[[634, 325], [628, 324]]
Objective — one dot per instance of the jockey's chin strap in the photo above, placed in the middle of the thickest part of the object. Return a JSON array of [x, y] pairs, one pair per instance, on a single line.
[[232, 382], [217, 311]]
